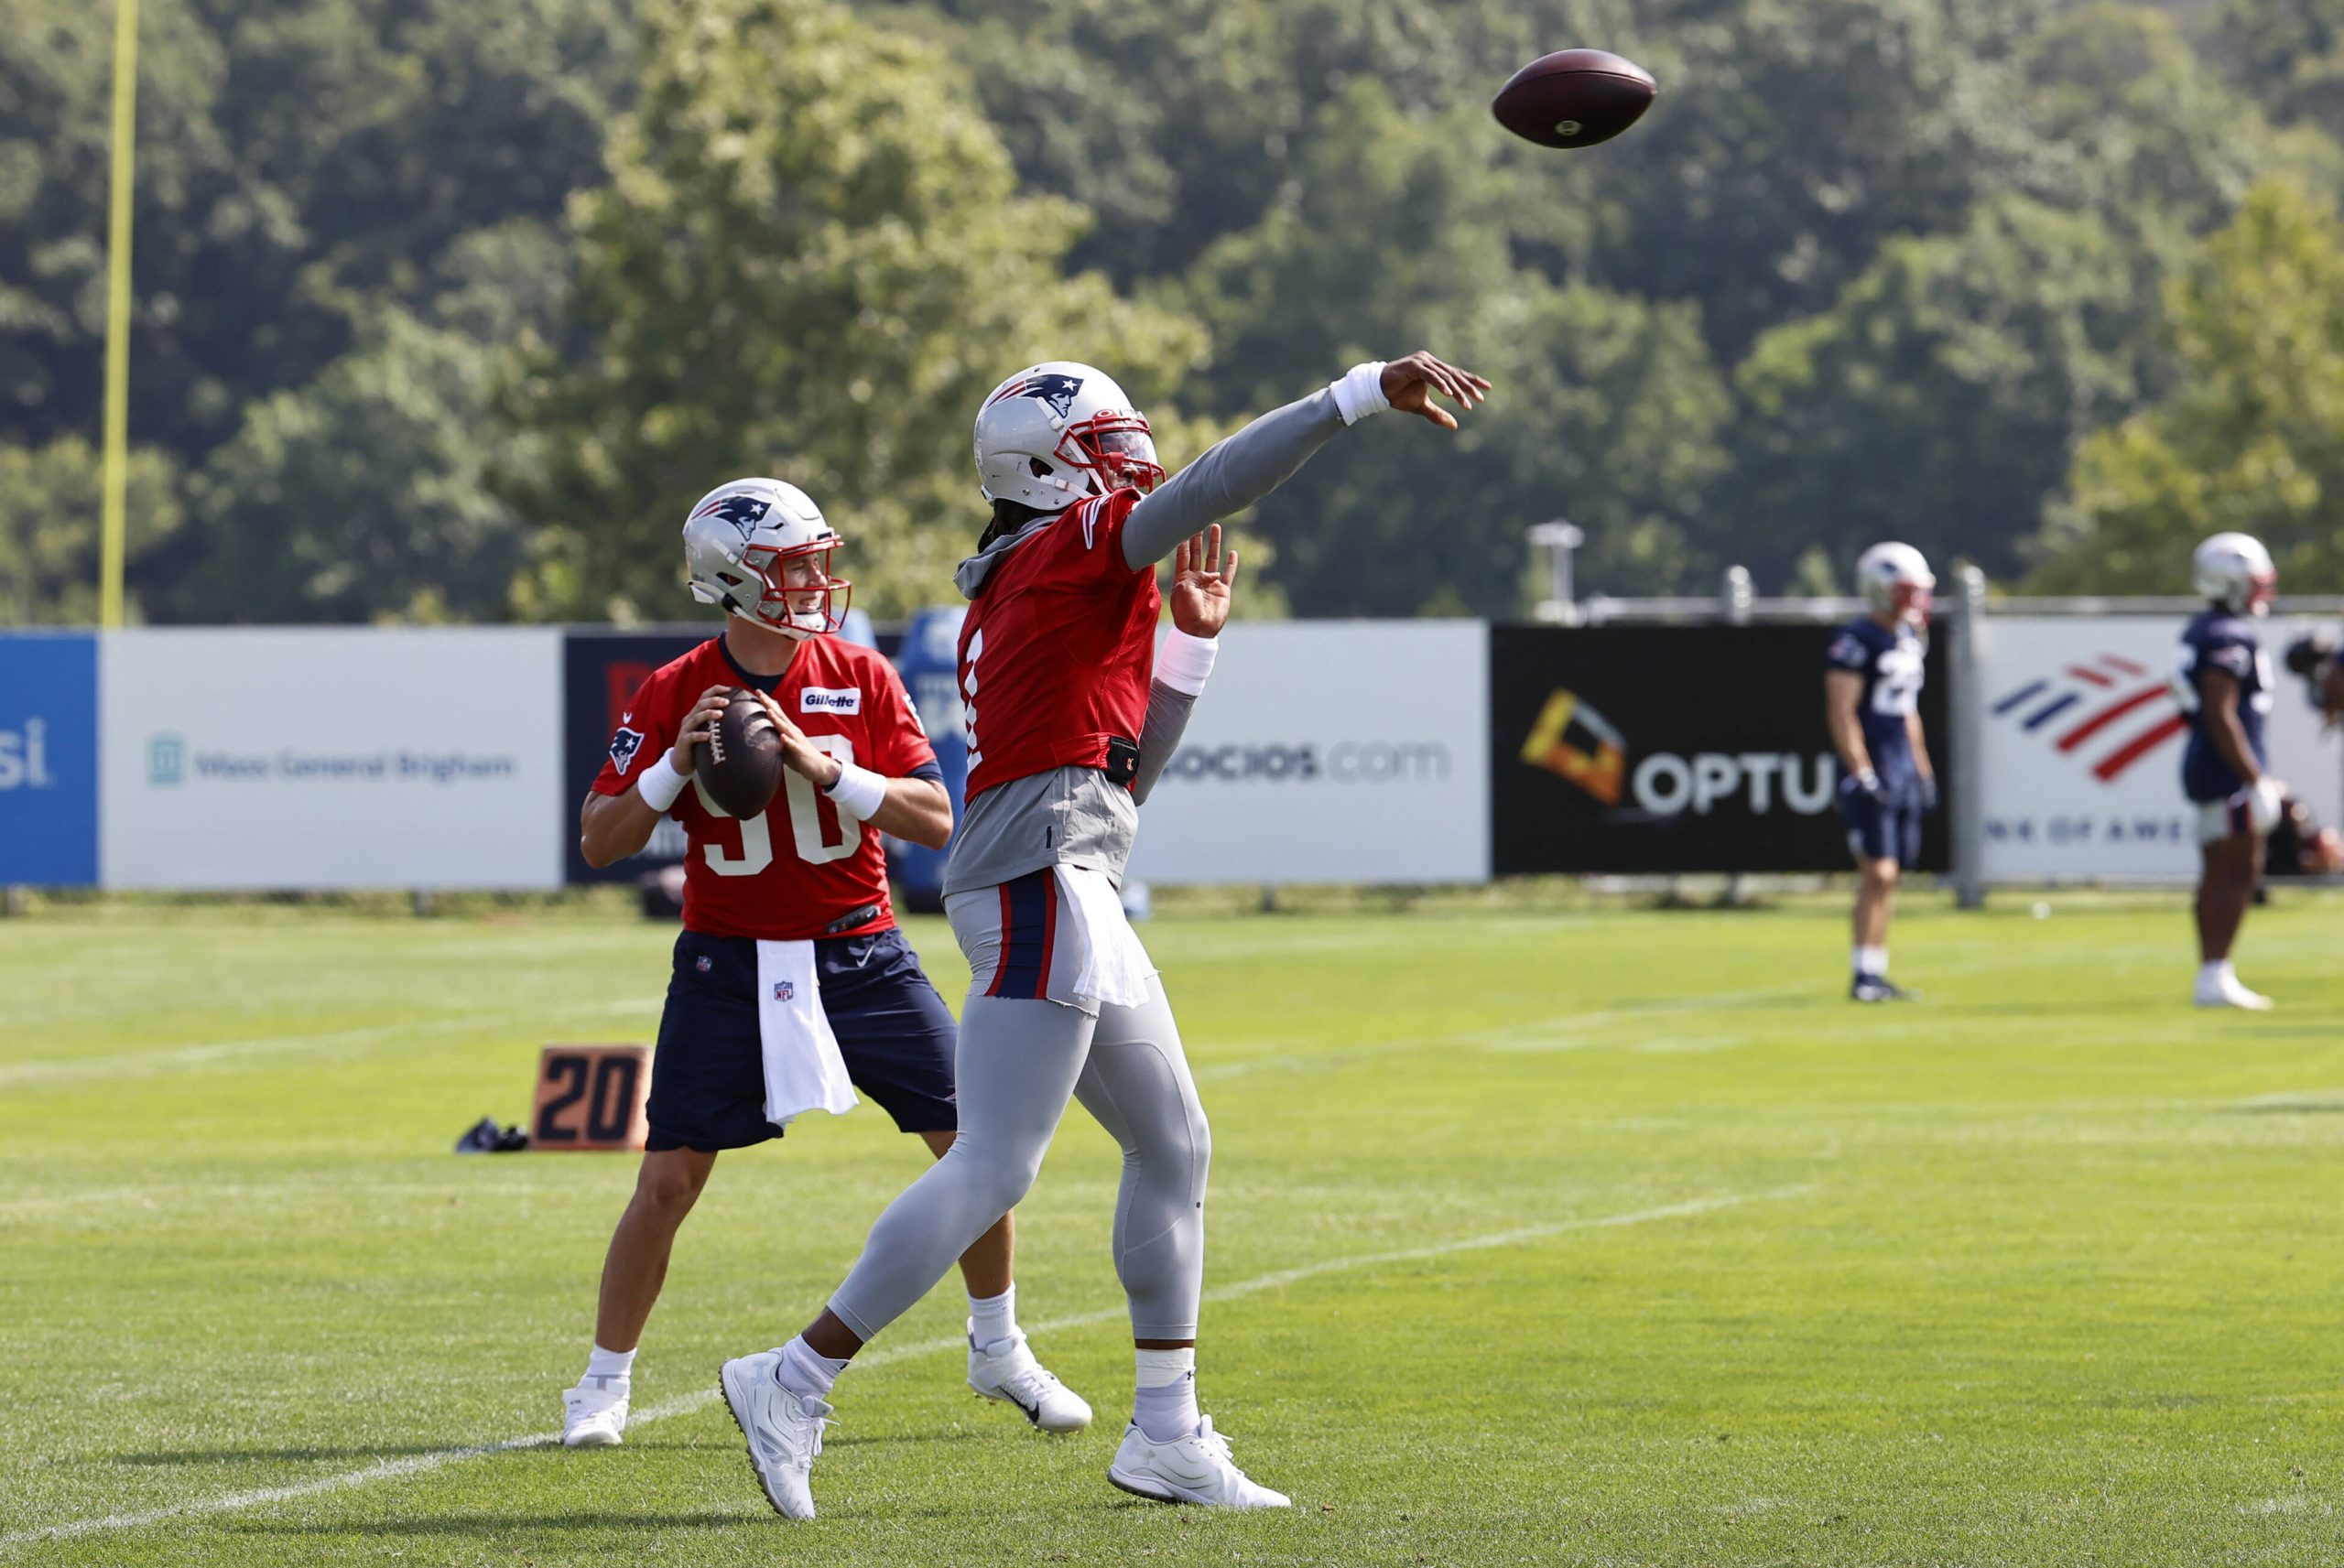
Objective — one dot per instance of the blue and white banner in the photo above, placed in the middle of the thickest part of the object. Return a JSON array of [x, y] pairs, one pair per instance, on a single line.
[[332, 759], [2083, 739], [48, 759]]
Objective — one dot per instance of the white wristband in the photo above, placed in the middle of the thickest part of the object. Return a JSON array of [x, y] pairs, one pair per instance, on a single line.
[[1184, 662], [660, 784], [860, 793], [1360, 392]]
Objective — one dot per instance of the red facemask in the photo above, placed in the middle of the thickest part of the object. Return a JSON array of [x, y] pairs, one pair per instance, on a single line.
[[798, 608], [1115, 449]]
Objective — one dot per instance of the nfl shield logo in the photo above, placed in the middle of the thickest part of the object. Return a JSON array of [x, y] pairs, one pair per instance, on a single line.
[[703, 963], [782, 991]]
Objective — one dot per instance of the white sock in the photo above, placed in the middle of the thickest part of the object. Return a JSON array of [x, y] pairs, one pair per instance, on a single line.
[[992, 1319], [2214, 973], [610, 1364], [805, 1374], [1871, 961], [1164, 1405]]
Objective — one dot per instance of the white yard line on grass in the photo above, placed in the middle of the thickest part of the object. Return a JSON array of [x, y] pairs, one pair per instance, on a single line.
[[415, 1465], [145, 1064]]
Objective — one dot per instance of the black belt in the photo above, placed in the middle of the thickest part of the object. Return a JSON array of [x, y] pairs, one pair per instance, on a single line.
[[853, 918]]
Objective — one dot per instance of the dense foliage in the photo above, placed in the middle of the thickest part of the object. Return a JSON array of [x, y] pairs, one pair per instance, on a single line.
[[447, 310]]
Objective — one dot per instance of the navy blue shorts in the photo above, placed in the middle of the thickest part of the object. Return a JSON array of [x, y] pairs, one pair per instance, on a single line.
[[1877, 831], [708, 1078]]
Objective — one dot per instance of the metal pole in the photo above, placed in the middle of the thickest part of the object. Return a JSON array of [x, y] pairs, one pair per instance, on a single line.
[[1558, 539], [1966, 714], [114, 524], [1735, 594]]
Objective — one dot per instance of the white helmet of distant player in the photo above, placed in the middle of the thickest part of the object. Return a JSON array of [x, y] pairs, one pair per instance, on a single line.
[[1896, 579], [2235, 571], [1059, 431], [762, 549]]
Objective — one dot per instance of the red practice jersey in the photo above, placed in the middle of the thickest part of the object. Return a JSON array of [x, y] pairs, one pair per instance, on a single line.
[[1058, 648], [800, 869]]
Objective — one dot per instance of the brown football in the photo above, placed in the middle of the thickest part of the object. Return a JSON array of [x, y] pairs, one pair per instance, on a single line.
[[740, 767], [1574, 98]]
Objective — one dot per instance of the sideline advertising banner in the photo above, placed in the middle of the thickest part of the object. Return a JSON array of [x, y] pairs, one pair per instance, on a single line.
[[48, 759], [2083, 743], [1663, 749], [332, 759], [1330, 751]]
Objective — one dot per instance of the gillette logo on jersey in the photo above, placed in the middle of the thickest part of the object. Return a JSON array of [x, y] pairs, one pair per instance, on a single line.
[[1058, 650], [802, 868]]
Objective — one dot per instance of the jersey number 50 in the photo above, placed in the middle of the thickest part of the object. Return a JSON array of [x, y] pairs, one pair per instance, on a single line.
[[805, 822]]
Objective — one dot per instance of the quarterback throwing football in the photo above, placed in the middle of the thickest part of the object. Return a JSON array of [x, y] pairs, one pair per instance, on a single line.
[[1066, 694], [791, 981]]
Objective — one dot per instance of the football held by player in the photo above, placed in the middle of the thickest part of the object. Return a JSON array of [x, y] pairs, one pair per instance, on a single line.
[[2224, 685], [790, 979], [1070, 712], [1872, 690]]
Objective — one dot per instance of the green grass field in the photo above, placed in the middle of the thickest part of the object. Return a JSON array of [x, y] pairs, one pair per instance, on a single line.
[[1607, 1236]]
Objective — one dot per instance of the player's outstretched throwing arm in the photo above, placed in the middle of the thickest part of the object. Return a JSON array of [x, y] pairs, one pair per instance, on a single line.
[[1236, 472]]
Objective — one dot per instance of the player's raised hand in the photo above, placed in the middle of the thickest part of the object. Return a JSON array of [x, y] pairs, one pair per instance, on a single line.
[[696, 727], [1409, 385], [1202, 580]]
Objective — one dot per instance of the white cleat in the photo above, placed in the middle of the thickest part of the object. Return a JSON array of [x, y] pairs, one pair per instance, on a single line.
[[1006, 1370], [784, 1431], [1192, 1469], [2226, 991], [593, 1414]]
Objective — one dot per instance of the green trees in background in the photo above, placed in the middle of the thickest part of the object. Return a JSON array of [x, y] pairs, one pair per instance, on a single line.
[[447, 310], [811, 261], [2251, 438], [307, 168]]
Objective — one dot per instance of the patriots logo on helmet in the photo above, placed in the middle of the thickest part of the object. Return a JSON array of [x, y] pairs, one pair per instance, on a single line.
[[1055, 391], [744, 512]]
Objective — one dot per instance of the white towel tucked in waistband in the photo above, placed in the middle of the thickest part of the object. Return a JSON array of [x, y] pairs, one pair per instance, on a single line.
[[1115, 968], [803, 1068]]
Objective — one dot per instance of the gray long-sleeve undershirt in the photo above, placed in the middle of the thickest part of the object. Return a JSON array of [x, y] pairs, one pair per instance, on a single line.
[[1231, 475]]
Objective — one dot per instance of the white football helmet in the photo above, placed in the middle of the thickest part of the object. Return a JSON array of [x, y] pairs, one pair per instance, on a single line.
[[2235, 571], [761, 549], [1896, 578], [1059, 431]]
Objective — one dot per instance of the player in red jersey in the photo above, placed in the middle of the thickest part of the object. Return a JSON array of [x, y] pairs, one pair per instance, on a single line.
[[790, 979], [1071, 712]]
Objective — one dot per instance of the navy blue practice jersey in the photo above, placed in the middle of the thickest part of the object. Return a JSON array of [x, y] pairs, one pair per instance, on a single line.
[[1889, 660], [2218, 640]]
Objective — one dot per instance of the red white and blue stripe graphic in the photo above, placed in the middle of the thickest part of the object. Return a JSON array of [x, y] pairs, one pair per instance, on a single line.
[[1029, 930], [2107, 710]]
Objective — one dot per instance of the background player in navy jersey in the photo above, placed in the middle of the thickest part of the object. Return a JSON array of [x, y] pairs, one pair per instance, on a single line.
[[1872, 690], [2223, 681], [1070, 709], [788, 932]]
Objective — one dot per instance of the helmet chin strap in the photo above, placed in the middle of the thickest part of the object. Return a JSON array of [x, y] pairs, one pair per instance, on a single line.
[[795, 633]]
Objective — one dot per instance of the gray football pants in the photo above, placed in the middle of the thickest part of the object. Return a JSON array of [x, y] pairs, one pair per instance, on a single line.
[[1018, 1063]]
